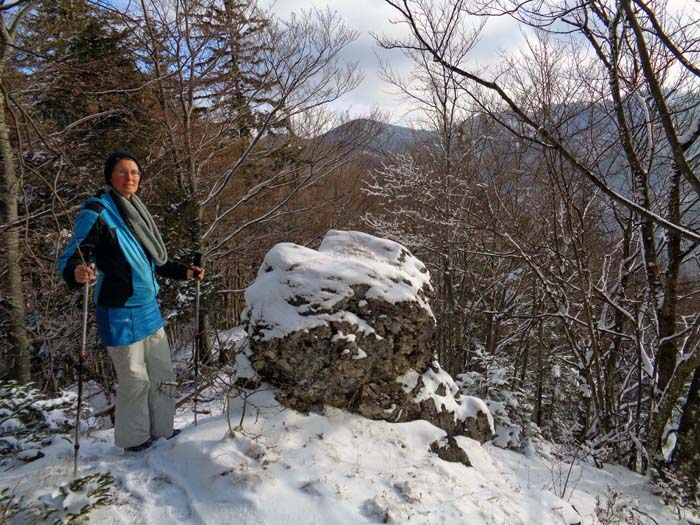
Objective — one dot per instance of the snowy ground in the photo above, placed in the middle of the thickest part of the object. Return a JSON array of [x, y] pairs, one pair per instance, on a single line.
[[284, 467]]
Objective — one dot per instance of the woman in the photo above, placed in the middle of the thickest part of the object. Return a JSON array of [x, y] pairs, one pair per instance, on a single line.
[[115, 230]]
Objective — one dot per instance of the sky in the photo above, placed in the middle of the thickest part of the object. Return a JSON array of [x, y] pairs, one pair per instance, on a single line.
[[370, 17]]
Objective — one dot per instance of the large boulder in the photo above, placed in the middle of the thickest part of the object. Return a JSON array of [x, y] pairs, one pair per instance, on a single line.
[[348, 325]]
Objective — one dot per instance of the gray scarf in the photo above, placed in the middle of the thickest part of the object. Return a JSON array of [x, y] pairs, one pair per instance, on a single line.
[[143, 226]]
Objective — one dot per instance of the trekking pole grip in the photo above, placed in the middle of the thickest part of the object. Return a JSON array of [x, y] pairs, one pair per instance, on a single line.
[[86, 252], [87, 256], [197, 262]]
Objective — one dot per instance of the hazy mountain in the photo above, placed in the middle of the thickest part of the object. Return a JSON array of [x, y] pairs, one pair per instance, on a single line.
[[384, 138]]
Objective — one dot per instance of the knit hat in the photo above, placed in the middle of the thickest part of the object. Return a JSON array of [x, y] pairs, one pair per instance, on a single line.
[[112, 161]]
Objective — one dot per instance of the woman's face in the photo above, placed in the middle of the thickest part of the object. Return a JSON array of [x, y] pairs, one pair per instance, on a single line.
[[125, 177]]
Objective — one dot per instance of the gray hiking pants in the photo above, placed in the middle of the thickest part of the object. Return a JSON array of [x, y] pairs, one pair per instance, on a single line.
[[146, 391]]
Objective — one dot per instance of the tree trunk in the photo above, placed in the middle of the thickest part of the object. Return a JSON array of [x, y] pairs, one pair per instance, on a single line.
[[668, 351], [539, 389], [12, 278], [666, 314], [204, 344], [686, 457], [203, 340]]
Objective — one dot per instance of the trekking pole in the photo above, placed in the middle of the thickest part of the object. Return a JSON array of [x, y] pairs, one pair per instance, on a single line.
[[197, 335], [86, 255]]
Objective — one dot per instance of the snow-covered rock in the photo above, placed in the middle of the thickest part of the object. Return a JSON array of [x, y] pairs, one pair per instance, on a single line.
[[348, 325]]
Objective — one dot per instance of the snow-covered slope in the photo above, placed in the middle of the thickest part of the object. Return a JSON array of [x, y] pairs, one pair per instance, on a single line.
[[283, 467]]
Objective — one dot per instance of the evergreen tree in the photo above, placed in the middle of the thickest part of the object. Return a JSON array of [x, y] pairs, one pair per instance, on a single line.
[[76, 96]]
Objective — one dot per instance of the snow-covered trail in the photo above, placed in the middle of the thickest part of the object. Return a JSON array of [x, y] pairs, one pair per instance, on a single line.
[[142, 496], [284, 467]]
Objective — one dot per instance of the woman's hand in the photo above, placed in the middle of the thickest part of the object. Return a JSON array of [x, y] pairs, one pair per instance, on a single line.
[[195, 271], [84, 273]]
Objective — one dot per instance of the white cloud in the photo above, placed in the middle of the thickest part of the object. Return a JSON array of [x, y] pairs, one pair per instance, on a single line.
[[373, 17], [368, 17]]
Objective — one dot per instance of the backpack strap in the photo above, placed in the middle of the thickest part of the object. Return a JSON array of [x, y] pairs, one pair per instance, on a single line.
[[95, 206]]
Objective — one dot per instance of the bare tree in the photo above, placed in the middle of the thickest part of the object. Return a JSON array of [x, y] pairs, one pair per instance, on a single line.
[[11, 15], [637, 79], [238, 96], [432, 182]]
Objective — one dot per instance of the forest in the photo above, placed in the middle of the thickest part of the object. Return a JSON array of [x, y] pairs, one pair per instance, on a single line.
[[553, 196]]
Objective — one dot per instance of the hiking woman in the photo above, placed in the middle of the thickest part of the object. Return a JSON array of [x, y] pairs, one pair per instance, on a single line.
[[117, 235]]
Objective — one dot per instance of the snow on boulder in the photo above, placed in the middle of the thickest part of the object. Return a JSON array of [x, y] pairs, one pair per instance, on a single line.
[[348, 326], [435, 397]]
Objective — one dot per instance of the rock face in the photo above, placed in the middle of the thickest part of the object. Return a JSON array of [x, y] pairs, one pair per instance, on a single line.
[[449, 450], [348, 326]]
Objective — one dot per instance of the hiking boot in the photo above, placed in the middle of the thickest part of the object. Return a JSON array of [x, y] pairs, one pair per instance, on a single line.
[[142, 446]]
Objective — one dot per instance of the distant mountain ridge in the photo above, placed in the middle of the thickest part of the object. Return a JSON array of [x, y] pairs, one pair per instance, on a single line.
[[387, 138]]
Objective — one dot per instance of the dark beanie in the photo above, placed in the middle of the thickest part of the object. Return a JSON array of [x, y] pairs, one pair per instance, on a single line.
[[112, 161]]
